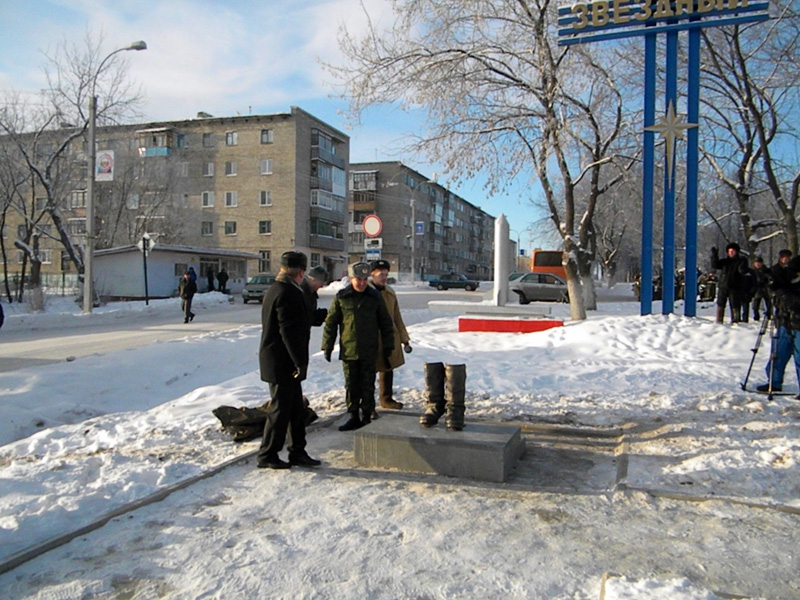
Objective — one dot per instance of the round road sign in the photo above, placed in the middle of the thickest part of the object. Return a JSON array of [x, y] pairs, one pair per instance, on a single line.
[[372, 225]]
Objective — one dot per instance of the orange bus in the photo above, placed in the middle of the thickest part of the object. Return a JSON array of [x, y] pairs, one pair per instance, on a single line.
[[548, 261]]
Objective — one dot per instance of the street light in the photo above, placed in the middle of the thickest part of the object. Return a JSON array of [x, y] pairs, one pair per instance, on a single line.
[[88, 284]]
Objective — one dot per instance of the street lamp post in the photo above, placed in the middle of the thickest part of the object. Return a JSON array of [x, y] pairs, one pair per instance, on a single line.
[[88, 283], [413, 236]]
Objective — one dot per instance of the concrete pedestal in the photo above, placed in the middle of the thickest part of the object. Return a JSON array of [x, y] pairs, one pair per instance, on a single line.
[[481, 451]]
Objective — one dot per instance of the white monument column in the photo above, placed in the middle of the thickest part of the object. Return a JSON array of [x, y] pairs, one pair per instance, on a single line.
[[501, 261]]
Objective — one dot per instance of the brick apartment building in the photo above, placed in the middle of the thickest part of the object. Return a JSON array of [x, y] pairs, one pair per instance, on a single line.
[[260, 184], [450, 233]]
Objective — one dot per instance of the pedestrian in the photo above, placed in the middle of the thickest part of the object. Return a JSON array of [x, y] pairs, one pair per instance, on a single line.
[[193, 274], [731, 279], [762, 292], [283, 360], [359, 316], [186, 290], [380, 275], [787, 302], [210, 276], [222, 279], [781, 350], [315, 279]]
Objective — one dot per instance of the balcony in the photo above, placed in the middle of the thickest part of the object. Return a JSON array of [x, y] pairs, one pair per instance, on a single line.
[[325, 243], [148, 152], [318, 183], [319, 153]]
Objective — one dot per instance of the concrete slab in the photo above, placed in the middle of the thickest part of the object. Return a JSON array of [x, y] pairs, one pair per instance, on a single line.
[[481, 451]]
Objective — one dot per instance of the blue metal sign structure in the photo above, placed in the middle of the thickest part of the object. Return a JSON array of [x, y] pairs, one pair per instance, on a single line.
[[581, 23]]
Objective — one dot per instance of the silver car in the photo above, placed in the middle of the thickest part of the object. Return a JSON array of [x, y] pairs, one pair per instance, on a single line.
[[540, 287], [257, 287]]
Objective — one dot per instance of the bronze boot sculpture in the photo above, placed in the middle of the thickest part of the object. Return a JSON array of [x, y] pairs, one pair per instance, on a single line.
[[434, 402], [455, 388]]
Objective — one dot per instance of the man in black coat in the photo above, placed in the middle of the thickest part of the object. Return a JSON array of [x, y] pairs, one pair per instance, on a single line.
[[283, 358], [732, 288], [187, 288]]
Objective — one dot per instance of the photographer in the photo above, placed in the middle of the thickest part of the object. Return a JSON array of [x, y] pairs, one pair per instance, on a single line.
[[780, 280], [787, 301]]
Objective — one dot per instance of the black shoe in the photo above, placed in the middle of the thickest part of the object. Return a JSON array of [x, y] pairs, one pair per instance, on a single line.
[[186, 320], [303, 460], [352, 423], [191, 317], [765, 388], [374, 416], [273, 462]]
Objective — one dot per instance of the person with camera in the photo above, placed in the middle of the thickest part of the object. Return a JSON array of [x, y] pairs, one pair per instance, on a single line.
[[780, 278], [787, 301]]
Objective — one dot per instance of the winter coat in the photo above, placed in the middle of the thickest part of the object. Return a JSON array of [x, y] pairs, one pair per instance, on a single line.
[[359, 319], [285, 332], [400, 334], [732, 273], [763, 279], [787, 299], [222, 278], [187, 288]]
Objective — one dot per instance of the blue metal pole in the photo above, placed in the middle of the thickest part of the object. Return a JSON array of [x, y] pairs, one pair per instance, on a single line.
[[646, 280], [692, 168], [668, 264]]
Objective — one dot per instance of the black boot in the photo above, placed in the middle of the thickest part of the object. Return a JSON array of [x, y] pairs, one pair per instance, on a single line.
[[455, 390], [434, 402], [352, 423]]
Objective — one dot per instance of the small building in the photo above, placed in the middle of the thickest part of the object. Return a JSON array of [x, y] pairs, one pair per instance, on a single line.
[[119, 272]]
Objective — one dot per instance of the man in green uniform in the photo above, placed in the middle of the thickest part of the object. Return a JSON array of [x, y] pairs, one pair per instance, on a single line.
[[359, 316]]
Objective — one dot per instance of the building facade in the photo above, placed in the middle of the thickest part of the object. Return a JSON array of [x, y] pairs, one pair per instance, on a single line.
[[422, 221], [260, 184]]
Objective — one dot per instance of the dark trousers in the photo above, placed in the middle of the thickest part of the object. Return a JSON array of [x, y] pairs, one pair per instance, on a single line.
[[386, 381], [186, 305], [359, 379], [285, 415]]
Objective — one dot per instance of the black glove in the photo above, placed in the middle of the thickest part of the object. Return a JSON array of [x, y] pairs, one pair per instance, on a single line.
[[714, 251], [328, 355]]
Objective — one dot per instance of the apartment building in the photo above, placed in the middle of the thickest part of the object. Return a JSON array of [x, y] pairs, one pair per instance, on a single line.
[[423, 222], [261, 184]]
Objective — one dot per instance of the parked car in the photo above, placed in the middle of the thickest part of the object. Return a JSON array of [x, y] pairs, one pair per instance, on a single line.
[[454, 280], [540, 287], [257, 287]]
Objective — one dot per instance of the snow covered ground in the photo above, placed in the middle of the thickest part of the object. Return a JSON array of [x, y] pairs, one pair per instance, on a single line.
[[703, 495]]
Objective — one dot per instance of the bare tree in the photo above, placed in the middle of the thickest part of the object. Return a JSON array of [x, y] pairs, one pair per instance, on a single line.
[[503, 99], [48, 135], [751, 76]]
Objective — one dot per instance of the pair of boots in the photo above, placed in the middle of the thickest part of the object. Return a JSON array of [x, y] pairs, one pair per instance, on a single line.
[[444, 397]]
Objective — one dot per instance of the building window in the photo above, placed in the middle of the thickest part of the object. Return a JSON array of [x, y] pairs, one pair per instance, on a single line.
[[231, 138], [314, 259], [76, 226], [265, 227], [266, 166], [230, 227], [207, 228], [264, 263], [230, 168], [265, 198], [208, 199], [183, 169], [231, 199], [208, 140], [266, 136], [208, 169], [180, 141], [41, 202], [77, 199]]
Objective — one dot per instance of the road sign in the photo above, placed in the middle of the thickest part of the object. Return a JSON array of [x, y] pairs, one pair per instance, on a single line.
[[419, 228], [372, 225], [373, 254]]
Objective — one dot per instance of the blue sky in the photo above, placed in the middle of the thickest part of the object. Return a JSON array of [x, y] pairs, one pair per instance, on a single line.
[[227, 58]]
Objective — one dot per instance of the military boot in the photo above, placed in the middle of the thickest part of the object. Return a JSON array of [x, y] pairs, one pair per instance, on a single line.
[[455, 388], [434, 402], [720, 314]]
